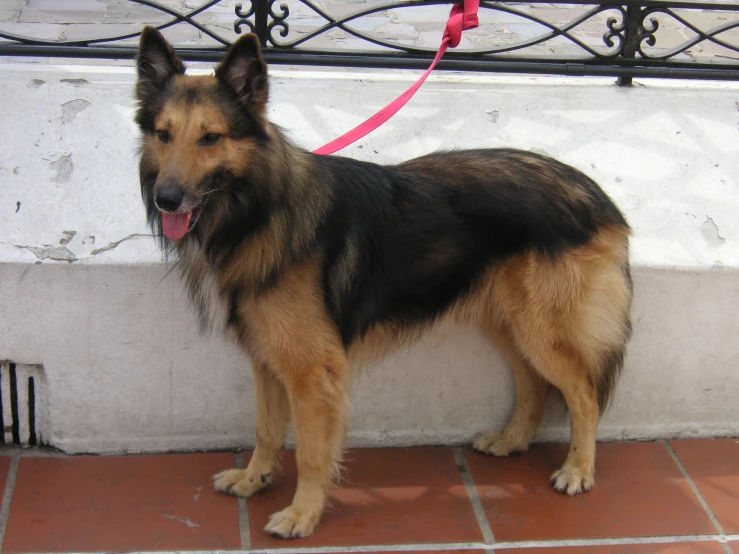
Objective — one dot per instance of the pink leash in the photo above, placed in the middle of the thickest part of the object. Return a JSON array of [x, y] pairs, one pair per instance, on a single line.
[[460, 19]]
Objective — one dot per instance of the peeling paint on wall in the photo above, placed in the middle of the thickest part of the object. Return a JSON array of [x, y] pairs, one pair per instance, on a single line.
[[71, 109], [112, 245], [540, 151], [68, 236], [63, 167], [710, 232], [49, 252], [76, 82]]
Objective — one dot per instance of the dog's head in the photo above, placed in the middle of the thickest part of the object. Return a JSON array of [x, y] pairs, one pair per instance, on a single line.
[[198, 131]]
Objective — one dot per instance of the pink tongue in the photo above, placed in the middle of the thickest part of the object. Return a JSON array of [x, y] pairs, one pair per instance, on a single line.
[[175, 225]]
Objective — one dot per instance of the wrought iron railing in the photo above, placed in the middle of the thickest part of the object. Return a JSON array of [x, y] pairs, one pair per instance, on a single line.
[[623, 38]]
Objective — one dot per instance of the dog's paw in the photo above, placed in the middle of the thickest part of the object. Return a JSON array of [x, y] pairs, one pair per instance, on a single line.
[[292, 523], [240, 483], [572, 480], [498, 444]]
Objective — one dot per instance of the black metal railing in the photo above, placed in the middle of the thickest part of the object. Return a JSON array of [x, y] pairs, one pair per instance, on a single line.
[[640, 38]]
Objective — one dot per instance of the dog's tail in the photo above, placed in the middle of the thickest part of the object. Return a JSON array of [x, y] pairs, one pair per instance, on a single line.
[[612, 359]]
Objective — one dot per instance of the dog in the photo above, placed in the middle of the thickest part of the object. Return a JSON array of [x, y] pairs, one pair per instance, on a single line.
[[316, 265]]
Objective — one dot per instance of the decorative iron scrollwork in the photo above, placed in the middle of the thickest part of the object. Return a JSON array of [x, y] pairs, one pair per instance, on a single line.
[[552, 31], [647, 30], [278, 20], [647, 33], [242, 17], [616, 28]]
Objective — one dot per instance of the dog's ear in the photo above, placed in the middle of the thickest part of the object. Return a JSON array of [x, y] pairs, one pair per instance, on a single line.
[[243, 70], [156, 63]]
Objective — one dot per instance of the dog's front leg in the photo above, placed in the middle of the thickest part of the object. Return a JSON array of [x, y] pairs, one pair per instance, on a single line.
[[272, 417], [318, 398]]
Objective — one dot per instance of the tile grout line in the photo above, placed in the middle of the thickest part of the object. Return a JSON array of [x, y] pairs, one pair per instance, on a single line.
[[243, 510], [474, 496], [445, 547], [706, 508], [8, 496]]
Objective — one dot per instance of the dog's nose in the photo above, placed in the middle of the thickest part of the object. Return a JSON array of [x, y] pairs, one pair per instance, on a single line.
[[169, 197]]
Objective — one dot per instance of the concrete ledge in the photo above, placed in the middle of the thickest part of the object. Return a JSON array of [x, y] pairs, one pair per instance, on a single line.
[[85, 294]]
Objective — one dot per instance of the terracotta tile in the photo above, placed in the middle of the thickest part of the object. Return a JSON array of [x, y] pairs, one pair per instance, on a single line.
[[639, 491], [390, 496], [121, 504], [4, 468], [714, 467], [674, 548]]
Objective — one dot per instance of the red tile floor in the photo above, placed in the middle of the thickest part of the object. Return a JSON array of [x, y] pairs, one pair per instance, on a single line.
[[651, 497]]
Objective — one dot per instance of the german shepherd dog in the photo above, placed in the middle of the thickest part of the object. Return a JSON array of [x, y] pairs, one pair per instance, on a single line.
[[318, 264]]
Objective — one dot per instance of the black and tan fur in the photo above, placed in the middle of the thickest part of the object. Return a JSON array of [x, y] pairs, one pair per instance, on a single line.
[[317, 264]]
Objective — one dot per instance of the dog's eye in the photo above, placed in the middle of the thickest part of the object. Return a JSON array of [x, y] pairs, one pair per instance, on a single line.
[[210, 139], [163, 136]]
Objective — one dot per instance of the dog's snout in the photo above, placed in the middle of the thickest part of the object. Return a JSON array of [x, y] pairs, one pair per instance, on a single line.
[[169, 197]]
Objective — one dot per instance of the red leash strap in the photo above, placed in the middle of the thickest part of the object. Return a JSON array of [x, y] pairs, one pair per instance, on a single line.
[[460, 19]]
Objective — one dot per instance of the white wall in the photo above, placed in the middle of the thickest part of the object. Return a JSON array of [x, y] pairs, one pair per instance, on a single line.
[[125, 368]]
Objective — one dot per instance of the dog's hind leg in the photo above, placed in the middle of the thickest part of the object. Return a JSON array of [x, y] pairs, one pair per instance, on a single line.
[[272, 417], [570, 375], [531, 394], [571, 319]]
